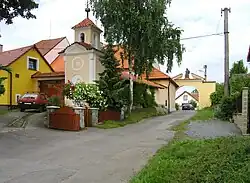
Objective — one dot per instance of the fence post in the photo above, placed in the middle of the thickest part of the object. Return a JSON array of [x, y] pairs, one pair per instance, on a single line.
[[80, 111], [50, 109], [245, 110]]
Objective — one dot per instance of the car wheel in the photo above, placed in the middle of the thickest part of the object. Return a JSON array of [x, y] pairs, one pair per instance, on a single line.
[[22, 110], [41, 108]]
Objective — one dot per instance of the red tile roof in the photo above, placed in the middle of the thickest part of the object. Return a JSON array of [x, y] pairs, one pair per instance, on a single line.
[[58, 64], [49, 74], [85, 45], [85, 23], [7, 57], [157, 74], [45, 46]]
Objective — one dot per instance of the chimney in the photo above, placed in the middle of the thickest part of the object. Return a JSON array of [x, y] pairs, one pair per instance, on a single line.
[[1, 48]]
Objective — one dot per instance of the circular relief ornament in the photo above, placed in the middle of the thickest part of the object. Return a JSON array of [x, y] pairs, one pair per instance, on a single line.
[[76, 79], [77, 63]]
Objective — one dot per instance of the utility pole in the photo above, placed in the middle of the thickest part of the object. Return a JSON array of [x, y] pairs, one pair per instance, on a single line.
[[226, 61]]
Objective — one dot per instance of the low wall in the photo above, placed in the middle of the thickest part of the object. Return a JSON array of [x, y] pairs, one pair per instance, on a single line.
[[241, 119], [241, 122], [109, 115]]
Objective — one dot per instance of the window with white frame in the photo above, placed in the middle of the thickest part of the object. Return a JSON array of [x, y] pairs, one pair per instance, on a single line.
[[33, 63], [185, 97]]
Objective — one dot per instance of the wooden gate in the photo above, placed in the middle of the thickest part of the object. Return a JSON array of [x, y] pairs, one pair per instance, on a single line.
[[65, 119]]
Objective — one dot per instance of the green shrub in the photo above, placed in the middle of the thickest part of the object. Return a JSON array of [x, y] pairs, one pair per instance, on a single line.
[[177, 106], [54, 101], [193, 103], [226, 108], [144, 96]]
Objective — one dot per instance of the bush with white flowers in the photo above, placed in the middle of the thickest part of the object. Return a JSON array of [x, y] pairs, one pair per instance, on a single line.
[[89, 93]]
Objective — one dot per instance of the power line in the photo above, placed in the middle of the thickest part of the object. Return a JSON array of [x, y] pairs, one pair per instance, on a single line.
[[207, 35]]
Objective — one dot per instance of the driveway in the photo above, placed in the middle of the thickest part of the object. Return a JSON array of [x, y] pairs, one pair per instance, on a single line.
[[38, 155]]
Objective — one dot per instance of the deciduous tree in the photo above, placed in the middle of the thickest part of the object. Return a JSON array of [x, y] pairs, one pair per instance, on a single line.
[[3, 68], [238, 68], [9, 9], [144, 31]]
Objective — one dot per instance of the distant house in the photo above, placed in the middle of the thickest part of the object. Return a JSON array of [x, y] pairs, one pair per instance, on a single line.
[[187, 97], [50, 49], [23, 62]]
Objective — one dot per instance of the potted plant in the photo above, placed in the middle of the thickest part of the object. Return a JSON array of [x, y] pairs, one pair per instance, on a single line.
[[54, 101]]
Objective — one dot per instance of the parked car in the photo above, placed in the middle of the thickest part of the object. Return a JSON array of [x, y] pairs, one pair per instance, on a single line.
[[33, 101], [187, 106]]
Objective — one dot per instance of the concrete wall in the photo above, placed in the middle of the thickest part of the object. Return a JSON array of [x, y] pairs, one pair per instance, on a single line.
[[162, 94], [241, 120]]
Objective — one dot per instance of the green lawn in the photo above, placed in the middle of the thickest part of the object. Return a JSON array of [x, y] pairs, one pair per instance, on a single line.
[[223, 160], [135, 117]]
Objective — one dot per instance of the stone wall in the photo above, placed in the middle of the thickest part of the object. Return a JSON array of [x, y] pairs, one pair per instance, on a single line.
[[241, 119]]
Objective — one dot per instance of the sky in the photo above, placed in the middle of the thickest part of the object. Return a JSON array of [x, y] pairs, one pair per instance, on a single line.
[[55, 19]]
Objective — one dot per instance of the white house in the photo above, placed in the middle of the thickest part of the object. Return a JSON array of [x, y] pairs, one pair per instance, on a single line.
[[187, 97]]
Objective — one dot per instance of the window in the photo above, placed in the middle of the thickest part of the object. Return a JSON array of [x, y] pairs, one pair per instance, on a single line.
[[82, 37], [32, 63], [95, 41], [185, 98]]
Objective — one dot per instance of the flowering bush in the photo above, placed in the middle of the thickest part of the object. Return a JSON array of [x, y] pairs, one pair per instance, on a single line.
[[82, 92], [68, 90]]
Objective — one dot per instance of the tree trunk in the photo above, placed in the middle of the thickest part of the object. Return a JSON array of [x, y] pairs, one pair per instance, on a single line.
[[131, 89]]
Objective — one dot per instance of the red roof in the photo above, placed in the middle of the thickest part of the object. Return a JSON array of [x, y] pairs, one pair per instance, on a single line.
[[85, 23], [85, 45], [49, 74], [156, 74], [45, 46], [58, 64], [7, 57]]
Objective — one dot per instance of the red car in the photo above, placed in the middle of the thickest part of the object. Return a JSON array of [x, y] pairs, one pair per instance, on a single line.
[[33, 101]]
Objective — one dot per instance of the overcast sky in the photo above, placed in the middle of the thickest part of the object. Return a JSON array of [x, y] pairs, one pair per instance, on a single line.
[[195, 17]]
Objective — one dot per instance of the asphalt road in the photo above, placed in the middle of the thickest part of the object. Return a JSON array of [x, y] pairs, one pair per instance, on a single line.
[[39, 155]]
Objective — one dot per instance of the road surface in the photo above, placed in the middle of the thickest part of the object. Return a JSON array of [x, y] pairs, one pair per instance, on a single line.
[[39, 155]]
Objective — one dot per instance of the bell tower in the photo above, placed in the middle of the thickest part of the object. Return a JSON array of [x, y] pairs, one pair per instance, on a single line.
[[87, 32]]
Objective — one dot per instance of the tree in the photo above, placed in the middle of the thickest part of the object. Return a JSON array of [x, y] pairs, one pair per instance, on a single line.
[[238, 68], [144, 32], [3, 68], [13, 8], [110, 82], [216, 96], [193, 103]]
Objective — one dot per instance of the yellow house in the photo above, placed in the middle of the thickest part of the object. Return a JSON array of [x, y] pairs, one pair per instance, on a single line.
[[23, 62], [205, 88]]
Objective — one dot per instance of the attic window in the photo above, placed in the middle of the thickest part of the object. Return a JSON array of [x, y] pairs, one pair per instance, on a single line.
[[185, 98], [82, 37], [33, 64]]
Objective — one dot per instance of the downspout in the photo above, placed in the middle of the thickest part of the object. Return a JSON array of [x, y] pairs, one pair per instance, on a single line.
[[169, 97], [10, 90]]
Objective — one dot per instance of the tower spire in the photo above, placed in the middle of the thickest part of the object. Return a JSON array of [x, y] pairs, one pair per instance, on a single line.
[[87, 9]]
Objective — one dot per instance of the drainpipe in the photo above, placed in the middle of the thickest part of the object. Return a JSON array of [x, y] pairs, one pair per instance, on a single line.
[[168, 97], [10, 90]]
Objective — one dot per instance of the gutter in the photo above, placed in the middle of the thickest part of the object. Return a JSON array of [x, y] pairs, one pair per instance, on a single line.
[[10, 90], [169, 98]]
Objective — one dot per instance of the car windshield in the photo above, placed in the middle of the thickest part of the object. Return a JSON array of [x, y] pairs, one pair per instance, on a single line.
[[30, 96]]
